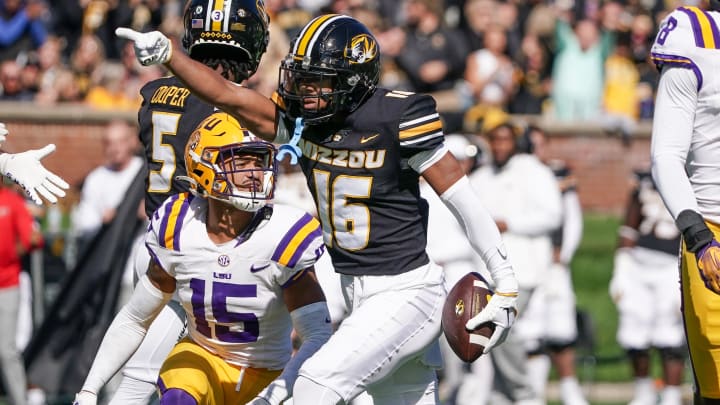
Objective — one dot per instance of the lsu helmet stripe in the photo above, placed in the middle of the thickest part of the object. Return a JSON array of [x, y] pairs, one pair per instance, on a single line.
[[296, 240], [170, 228], [309, 35], [704, 28]]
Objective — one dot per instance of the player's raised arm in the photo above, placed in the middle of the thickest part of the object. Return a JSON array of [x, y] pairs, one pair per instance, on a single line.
[[254, 110]]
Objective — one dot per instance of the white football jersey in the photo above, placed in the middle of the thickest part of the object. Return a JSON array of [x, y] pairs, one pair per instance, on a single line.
[[690, 38], [232, 293]]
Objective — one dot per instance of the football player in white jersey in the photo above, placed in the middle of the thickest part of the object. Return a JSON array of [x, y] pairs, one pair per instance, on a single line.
[[25, 169], [556, 292], [362, 149], [243, 270], [685, 152]]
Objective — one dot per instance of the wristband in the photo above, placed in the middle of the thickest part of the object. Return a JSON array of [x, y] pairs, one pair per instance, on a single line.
[[695, 233]]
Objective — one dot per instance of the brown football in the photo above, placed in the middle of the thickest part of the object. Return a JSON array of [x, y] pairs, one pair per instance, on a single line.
[[465, 300]]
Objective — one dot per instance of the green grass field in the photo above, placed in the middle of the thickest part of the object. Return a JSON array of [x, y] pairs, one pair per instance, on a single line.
[[592, 269]]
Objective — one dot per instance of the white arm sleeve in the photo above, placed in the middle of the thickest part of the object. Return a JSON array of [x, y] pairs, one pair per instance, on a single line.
[[481, 231], [572, 226], [125, 333], [4, 157], [312, 324], [671, 137]]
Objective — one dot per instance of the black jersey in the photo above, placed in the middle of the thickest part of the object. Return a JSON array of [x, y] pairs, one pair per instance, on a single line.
[[168, 115], [368, 200], [656, 227]]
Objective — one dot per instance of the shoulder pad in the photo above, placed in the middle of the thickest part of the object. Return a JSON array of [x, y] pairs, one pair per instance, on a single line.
[[681, 33], [301, 238], [168, 219]]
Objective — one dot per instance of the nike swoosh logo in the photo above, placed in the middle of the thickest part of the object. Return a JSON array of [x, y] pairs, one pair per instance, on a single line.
[[369, 138], [502, 253], [254, 269]]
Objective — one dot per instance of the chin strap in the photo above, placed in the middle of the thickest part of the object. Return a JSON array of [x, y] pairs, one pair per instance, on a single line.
[[291, 147]]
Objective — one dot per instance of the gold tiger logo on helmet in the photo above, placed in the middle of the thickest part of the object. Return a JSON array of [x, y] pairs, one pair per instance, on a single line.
[[363, 48]]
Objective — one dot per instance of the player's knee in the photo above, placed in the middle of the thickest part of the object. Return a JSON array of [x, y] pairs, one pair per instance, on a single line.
[[308, 392], [537, 351], [637, 353], [176, 396], [672, 353], [557, 346]]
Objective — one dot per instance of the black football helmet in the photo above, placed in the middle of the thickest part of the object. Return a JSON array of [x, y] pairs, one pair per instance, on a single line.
[[231, 33], [339, 52]]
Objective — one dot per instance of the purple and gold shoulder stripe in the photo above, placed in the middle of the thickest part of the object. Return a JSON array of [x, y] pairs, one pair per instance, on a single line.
[[171, 223], [704, 27], [661, 60], [297, 239]]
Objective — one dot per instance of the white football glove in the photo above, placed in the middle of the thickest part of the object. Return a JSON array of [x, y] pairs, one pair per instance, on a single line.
[[3, 133], [500, 310], [26, 170], [85, 398], [151, 48]]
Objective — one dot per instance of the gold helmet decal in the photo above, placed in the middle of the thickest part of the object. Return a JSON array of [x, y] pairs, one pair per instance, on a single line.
[[363, 48]]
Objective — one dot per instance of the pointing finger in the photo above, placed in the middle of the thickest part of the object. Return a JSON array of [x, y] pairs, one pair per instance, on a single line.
[[128, 33]]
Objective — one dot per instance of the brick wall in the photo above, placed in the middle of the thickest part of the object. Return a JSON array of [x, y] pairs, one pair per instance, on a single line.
[[601, 162]]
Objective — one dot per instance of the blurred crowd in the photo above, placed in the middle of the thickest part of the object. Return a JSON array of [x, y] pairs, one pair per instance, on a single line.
[[585, 60]]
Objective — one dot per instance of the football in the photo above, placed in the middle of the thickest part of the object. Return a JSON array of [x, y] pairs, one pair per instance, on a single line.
[[465, 300]]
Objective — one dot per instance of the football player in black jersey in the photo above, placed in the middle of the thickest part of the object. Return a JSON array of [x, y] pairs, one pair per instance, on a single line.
[[644, 287], [362, 150], [230, 40]]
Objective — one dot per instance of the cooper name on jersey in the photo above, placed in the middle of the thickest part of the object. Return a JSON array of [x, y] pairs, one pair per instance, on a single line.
[[355, 159], [170, 95]]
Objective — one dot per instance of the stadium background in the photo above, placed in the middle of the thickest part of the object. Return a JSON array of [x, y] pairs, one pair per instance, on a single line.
[[602, 161]]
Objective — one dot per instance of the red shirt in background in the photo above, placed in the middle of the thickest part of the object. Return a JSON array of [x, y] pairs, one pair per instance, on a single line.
[[16, 230]]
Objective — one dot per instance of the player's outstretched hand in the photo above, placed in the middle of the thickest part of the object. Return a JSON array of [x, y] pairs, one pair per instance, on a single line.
[[500, 310], [708, 259], [151, 48], [85, 398], [26, 170], [3, 133]]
